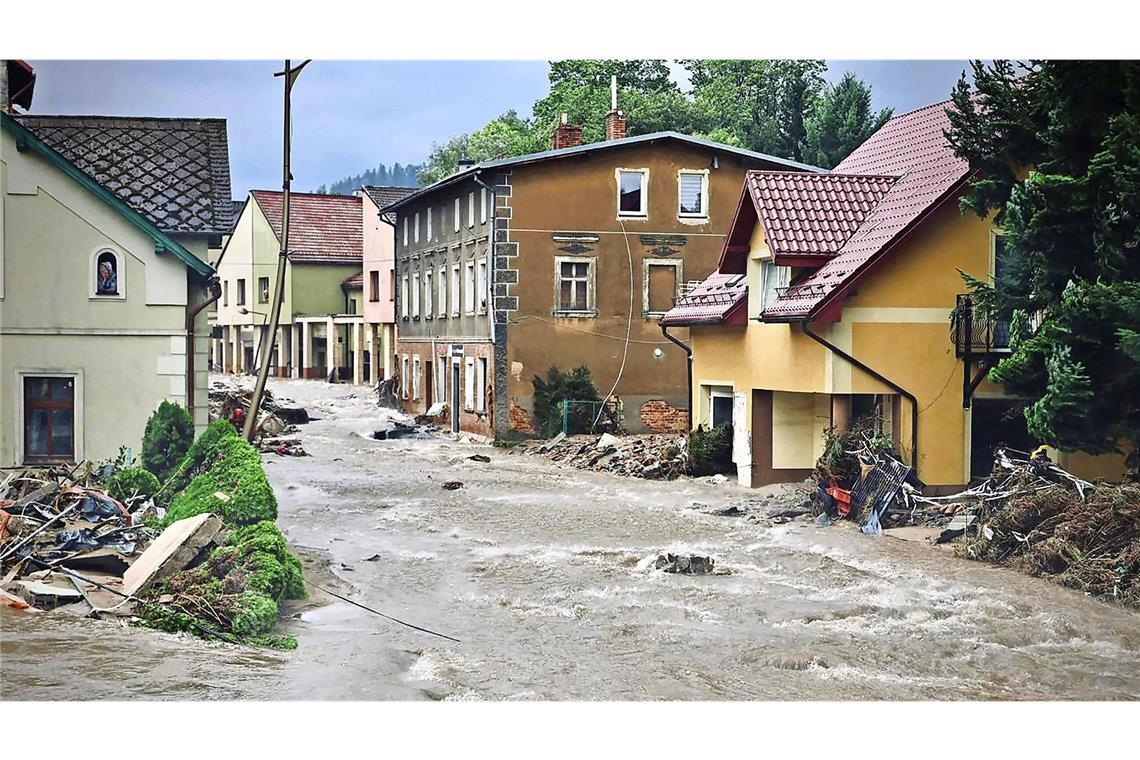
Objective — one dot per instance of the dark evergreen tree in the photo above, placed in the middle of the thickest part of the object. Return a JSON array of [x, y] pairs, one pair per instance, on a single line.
[[842, 122], [1056, 150]]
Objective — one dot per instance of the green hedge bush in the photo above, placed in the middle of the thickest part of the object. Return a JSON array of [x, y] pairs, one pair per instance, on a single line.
[[168, 435], [131, 482], [710, 451]]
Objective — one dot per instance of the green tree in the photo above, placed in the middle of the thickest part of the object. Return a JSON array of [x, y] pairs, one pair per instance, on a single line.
[[842, 122], [1056, 150], [764, 104], [168, 435]]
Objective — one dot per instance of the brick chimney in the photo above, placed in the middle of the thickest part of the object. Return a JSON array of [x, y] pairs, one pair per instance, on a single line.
[[615, 119], [565, 135]]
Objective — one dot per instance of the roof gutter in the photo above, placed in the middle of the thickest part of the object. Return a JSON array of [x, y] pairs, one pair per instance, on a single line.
[[191, 316], [902, 391], [688, 364]]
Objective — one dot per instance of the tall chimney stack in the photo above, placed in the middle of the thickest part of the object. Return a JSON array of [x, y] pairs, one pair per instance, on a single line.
[[615, 119], [565, 135]]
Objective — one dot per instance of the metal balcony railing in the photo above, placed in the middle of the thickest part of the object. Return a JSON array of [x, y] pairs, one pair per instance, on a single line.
[[974, 333]]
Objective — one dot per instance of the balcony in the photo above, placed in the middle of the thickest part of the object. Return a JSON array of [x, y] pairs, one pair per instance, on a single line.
[[974, 334]]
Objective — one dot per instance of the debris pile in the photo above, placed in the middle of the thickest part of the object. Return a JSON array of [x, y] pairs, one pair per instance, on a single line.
[[654, 456], [684, 564], [276, 425], [398, 430]]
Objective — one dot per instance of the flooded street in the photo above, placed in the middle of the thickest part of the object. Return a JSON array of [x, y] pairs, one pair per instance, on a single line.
[[545, 575]]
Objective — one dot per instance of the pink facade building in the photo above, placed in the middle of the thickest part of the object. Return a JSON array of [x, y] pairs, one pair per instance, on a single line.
[[378, 285]]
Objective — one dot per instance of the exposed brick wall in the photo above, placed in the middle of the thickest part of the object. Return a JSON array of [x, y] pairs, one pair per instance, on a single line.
[[660, 417], [615, 125], [520, 419]]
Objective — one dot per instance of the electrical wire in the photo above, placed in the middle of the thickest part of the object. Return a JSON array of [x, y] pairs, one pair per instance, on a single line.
[[591, 332], [953, 371], [381, 614], [628, 327]]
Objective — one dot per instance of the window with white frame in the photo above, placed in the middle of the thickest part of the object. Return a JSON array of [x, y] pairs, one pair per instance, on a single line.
[[483, 205], [457, 215], [429, 223], [574, 285], [416, 378], [481, 399], [405, 231], [720, 406], [455, 290], [469, 383], [416, 225], [404, 376], [662, 280], [404, 296], [693, 194], [440, 388], [416, 295], [427, 295], [632, 192], [469, 288], [107, 279], [471, 209], [441, 284], [772, 278], [481, 294]]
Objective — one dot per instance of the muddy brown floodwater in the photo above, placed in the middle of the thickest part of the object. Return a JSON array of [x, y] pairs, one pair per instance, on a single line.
[[545, 575]]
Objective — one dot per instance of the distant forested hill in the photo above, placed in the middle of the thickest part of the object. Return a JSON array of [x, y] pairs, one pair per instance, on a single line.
[[397, 175]]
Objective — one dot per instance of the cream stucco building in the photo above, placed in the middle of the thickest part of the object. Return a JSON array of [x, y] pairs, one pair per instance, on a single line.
[[104, 230]]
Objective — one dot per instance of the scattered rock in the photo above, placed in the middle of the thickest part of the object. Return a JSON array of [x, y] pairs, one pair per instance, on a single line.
[[480, 458], [452, 485], [373, 558], [686, 565]]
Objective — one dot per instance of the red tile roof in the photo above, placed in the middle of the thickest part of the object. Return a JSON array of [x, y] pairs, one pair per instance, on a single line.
[[355, 282], [327, 228], [720, 299], [808, 215], [911, 146]]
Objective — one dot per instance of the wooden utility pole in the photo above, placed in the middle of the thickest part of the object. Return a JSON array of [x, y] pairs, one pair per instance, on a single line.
[[290, 75]]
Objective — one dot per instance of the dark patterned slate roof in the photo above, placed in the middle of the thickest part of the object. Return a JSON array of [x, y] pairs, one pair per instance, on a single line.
[[238, 207], [385, 195], [175, 172], [327, 228]]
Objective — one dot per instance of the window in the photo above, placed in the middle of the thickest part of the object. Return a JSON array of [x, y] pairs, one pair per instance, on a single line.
[[225, 293], [49, 419], [469, 383], [427, 295], [481, 400], [416, 378], [441, 380], [416, 295], [574, 283], [374, 285], [263, 290], [429, 224], [404, 376], [481, 283], [457, 215], [483, 205], [441, 283], [106, 274], [241, 292], [632, 192], [771, 278], [692, 194], [455, 289], [404, 296], [392, 284], [405, 232], [416, 234], [469, 288], [720, 408], [351, 307], [662, 280], [471, 209]]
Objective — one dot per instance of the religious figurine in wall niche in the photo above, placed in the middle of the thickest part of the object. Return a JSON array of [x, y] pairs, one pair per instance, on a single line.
[[106, 279]]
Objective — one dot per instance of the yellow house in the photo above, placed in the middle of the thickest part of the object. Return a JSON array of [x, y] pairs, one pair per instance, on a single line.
[[838, 296]]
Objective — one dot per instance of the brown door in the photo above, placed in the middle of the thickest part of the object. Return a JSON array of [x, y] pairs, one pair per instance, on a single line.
[[49, 419]]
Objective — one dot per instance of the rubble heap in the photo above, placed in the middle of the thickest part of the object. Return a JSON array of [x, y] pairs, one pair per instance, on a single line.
[[655, 456], [276, 424]]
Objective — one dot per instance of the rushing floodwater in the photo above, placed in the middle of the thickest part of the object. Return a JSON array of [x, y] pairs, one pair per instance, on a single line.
[[545, 575]]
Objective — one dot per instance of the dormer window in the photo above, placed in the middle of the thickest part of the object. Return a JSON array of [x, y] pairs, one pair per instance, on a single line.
[[106, 275]]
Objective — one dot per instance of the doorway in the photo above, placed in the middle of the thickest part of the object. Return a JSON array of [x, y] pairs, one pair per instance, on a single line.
[[994, 422]]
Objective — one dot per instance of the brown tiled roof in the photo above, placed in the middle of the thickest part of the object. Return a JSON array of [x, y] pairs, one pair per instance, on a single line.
[[912, 147], [808, 215], [355, 282], [714, 301], [175, 172], [321, 227]]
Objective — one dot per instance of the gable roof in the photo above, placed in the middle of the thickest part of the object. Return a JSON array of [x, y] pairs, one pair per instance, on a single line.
[[719, 299], [812, 215], [237, 207], [353, 282], [577, 150], [322, 228], [26, 139], [912, 147], [175, 172], [385, 195]]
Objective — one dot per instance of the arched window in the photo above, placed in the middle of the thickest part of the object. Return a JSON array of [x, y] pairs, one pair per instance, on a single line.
[[107, 274]]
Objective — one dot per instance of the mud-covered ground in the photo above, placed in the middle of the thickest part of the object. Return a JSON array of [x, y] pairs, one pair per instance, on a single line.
[[545, 575]]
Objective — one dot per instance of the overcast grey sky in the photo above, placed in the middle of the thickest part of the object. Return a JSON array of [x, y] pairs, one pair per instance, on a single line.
[[352, 115]]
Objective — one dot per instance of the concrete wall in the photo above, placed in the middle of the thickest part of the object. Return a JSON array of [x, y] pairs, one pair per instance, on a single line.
[[127, 353]]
